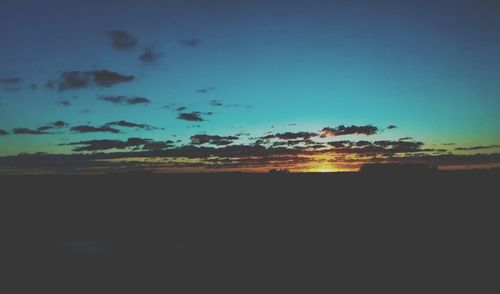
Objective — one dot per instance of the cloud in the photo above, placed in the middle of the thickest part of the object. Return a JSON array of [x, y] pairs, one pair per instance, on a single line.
[[127, 124], [64, 103], [391, 127], [72, 80], [216, 103], [106, 78], [208, 158], [212, 139], [122, 40], [149, 56], [344, 144], [477, 147], [132, 143], [11, 81], [181, 108], [349, 130], [91, 129], [220, 103], [291, 136], [138, 100], [193, 116], [206, 90], [43, 130], [193, 43], [54, 125], [25, 131], [3, 132], [125, 100], [383, 147]]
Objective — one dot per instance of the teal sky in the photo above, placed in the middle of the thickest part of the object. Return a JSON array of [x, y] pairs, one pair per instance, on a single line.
[[431, 68]]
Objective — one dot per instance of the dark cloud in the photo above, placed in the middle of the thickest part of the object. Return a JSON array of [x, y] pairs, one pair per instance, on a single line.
[[43, 130], [234, 157], [11, 81], [193, 43], [361, 143], [181, 108], [193, 116], [477, 147], [127, 124], [212, 139], [106, 78], [125, 100], [122, 40], [131, 143], [349, 130], [92, 129], [206, 90], [291, 136], [25, 131], [391, 127], [220, 103], [55, 125], [149, 56], [405, 138], [71, 80], [114, 99], [138, 100], [3, 132], [343, 144], [383, 147], [64, 103], [216, 103], [74, 80]]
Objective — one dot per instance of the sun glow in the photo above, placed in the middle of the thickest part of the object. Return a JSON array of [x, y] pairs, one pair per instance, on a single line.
[[323, 169]]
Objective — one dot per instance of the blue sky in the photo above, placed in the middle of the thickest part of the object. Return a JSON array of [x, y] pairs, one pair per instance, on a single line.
[[429, 67]]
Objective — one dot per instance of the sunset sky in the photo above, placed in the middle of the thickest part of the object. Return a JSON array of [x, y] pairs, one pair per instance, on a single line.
[[236, 85]]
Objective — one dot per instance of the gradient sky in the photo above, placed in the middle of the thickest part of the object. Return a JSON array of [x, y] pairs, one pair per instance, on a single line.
[[430, 68]]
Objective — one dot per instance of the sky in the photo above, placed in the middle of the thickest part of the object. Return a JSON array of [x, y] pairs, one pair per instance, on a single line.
[[236, 85]]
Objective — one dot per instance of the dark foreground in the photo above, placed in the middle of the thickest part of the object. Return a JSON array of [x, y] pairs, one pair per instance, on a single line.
[[232, 233]]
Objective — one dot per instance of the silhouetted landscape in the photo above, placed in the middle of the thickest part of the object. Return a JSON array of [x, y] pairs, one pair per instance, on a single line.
[[208, 231], [261, 146]]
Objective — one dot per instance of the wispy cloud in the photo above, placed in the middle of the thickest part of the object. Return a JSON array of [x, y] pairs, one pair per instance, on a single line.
[[477, 147], [72, 80], [193, 43], [131, 143], [43, 130], [126, 124], [122, 40], [212, 139], [125, 100], [193, 116], [206, 90], [92, 129], [149, 55]]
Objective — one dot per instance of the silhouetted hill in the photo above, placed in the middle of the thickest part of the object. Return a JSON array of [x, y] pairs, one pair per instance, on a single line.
[[232, 232], [397, 168]]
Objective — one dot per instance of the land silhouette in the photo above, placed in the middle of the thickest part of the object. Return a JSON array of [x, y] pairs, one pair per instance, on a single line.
[[377, 229]]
